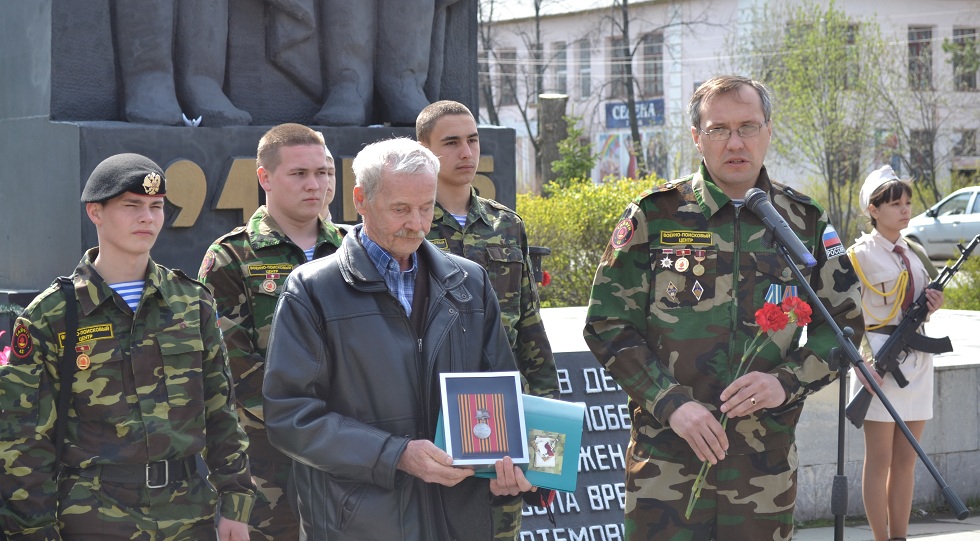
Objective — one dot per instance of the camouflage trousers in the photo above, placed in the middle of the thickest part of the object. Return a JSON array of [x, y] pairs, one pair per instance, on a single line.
[[90, 510], [743, 497], [507, 520], [272, 518]]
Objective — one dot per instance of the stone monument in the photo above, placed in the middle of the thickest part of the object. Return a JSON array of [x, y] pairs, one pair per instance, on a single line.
[[82, 80]]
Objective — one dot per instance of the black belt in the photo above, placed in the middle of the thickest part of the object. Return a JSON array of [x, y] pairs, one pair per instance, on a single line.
[[153, 475]]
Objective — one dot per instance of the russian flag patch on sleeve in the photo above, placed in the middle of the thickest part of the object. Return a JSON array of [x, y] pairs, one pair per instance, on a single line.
[[832, 243]]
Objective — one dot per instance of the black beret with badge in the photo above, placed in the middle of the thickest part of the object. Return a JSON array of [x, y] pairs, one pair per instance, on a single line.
[[124, 173]]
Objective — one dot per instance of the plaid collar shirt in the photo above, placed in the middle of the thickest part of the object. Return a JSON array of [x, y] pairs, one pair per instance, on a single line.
[[400, 283]]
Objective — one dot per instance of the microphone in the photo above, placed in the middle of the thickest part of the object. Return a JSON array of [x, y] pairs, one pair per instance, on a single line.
[[758, 202]]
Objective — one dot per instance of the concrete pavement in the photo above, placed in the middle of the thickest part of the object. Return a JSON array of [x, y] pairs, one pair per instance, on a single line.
[[933, 529]]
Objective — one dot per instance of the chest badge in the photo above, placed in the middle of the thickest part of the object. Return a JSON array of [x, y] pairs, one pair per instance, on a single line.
[[682, 263], [269, 285], [83, 361]]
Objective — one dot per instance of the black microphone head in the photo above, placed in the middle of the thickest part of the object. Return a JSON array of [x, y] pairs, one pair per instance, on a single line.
[[754, 197]]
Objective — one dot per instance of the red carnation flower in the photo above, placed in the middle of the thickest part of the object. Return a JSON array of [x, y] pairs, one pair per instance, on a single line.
[[771, 318], [545, 278], [799, 310]]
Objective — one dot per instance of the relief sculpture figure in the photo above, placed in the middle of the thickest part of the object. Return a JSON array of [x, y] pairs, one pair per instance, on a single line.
[[172, 56]]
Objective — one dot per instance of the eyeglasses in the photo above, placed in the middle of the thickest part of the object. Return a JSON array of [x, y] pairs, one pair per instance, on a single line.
[[724, 134]]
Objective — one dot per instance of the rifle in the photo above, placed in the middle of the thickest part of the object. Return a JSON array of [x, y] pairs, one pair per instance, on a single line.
[[905, 336]]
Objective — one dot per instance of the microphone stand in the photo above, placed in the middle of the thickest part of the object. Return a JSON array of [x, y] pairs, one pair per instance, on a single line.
[[844, 356]]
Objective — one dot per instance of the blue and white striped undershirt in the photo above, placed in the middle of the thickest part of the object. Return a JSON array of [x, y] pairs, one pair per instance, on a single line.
[[309, 253], [461, 218], [130, 292]]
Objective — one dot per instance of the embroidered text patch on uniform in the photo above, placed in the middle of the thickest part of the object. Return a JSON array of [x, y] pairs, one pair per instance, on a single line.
[[87, 334], [685, 237], [264, 269], [442, 244], [832, 243]]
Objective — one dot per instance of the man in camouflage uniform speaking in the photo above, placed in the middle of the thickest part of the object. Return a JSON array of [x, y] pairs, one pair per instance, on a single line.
[[672, 310], [246, 270], [151, 392], [488, 233]]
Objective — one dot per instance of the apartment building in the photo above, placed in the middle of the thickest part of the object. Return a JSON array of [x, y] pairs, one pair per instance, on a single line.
[[677, 45]]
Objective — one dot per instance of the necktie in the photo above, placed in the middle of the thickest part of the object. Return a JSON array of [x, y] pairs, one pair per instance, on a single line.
[[910, 288]]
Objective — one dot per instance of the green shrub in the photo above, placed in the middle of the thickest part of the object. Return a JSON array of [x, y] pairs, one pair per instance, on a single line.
[[576, 222], [963, 291]]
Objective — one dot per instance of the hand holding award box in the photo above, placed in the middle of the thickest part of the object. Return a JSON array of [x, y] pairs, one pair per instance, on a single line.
[[482, 415]]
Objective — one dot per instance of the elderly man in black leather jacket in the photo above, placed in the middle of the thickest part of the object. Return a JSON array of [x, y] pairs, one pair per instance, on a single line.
[[358, 341]]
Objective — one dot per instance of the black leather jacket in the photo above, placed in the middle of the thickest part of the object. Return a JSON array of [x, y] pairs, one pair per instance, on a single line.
[[349, 382]]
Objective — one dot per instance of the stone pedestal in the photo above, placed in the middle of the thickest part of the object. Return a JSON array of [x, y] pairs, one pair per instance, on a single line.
[[61, 114]]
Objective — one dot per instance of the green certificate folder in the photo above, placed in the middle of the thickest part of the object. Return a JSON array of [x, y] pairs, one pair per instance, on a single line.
[[554, 439]]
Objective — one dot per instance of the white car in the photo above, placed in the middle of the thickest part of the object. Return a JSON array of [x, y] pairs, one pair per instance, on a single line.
[[955, 219]]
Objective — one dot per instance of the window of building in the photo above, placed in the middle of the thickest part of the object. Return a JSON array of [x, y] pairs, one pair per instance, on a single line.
[[584, 68], [653, 65], [920, 57], [618, 60], [967, 144], [486, 90], [561, 67], [964, 49], [507, 72]]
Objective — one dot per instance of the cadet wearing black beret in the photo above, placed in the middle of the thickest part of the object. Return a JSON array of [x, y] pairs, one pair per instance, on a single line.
[[124, 173]]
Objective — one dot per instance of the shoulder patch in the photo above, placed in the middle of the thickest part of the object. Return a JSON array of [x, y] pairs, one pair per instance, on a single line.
[[21, 342], [623, 232], [832, 243], [207, 264]]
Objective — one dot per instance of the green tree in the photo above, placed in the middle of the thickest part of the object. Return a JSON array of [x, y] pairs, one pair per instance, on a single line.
[[822, 67], [577, 158], [575, 223]]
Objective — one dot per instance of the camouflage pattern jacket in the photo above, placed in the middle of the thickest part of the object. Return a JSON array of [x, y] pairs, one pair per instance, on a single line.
[[670, 332], [495, 238], [157, 387], [246, 270]]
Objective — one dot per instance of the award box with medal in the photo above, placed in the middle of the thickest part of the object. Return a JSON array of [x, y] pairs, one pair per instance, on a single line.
[[483, 418], [554, 440]]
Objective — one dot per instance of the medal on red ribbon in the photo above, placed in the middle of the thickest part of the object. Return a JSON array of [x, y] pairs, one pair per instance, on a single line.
[[682, 263], [269, 285]]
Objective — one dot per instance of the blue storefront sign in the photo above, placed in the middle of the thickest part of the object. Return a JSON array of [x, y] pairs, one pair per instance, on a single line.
[[648, 113]]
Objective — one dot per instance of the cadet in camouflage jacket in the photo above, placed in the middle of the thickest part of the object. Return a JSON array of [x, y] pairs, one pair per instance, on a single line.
[[154, 386], [495, 238], [246, 269], [672, 332]]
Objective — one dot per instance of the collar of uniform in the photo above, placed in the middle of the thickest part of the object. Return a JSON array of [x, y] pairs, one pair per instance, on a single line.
[[709, 195], [477, 209], [92, 290], [263, 231], [880, 239]]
